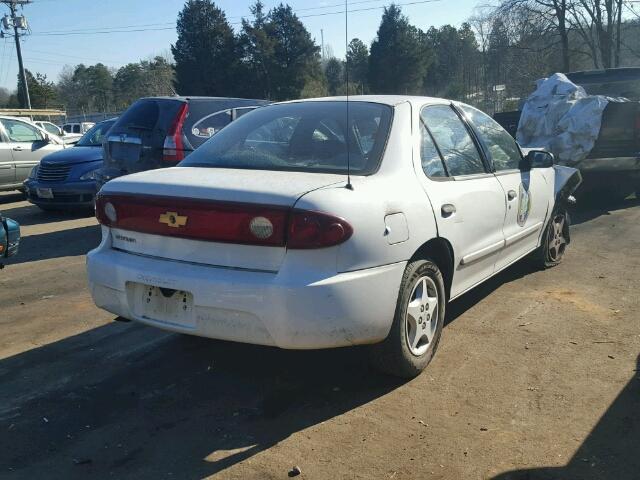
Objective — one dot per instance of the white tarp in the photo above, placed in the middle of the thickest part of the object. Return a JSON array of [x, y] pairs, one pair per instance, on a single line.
[[562, 118]]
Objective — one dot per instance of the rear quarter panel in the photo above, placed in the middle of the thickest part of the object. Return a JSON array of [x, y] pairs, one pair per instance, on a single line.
[[394, 189]]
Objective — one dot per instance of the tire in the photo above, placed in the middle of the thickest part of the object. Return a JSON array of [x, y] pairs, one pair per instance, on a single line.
[[412, 342], [554, 242]]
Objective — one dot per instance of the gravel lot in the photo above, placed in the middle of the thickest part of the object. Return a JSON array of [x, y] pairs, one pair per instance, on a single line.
[[536, 377]]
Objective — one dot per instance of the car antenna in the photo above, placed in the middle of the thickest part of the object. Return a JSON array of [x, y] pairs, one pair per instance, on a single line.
[[346, 78]]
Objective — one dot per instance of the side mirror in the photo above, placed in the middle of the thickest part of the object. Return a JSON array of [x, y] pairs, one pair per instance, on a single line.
[[537, 159]]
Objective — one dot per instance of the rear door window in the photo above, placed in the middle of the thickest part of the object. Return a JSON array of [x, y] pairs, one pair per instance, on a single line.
[[458, 150], [431, 161], [211, 124]]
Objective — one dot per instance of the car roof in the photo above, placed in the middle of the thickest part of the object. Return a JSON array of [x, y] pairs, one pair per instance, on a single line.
[[188, 98], [391, 100], [9, 117]]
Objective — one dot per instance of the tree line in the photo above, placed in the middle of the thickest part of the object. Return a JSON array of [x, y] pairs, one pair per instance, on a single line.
[[492, 60], [95, 88]]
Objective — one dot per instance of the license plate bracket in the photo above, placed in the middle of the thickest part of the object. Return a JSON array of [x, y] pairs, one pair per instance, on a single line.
[[162, 305], [44, 193]]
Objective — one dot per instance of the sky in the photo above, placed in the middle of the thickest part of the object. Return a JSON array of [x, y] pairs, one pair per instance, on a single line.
[[65, 32]]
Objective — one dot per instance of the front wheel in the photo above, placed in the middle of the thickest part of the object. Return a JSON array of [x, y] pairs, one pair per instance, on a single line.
[[417, 324], [554, 241]]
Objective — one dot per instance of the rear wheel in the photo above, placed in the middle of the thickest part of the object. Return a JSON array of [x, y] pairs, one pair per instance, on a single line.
[[417, 324]]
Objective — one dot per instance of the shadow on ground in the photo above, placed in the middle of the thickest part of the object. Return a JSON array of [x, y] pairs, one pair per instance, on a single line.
[[11, 197], [610, 451], [586, 210], [125, 400], [32, 215], [64, 243]]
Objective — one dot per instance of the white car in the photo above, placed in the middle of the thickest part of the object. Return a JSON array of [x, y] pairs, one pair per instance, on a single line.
[[261, 236]]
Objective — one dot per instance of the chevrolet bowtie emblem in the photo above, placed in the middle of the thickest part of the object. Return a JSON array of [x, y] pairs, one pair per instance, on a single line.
[[172, 219]]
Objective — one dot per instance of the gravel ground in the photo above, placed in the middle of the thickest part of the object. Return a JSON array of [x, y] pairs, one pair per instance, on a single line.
[[536, 377]]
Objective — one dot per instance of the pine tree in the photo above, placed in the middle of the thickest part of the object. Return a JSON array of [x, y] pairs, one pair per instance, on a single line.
[[398, 61], [205, 52], [335, 77], [358, 59], [296, 57]]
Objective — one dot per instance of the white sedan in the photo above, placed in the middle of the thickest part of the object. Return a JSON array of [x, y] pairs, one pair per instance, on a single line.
[[326, 223]]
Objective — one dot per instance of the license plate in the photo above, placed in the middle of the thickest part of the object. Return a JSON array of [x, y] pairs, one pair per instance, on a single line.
[[128, 152], [44, 192], [163, 305]]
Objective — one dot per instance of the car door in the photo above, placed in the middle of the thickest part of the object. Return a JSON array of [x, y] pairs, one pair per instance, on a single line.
[[27, 144], [528, 192], [467, 199], [7, 168]]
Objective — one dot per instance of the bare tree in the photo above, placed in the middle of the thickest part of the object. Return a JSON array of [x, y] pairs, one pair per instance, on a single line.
[[598, 23], [552, 13]]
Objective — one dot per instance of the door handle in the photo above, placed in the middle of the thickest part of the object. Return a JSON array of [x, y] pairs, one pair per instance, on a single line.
[[447, 210], [17, 149], [511, 194]]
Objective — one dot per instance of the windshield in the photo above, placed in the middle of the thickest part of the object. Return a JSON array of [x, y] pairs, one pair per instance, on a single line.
[[50, 127], [301, 136], [93, 138]]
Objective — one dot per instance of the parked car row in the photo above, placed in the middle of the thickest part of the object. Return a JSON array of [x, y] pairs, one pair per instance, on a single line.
[[38, 157]]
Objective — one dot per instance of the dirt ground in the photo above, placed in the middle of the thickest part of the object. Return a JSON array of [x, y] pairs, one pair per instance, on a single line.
[[536, 377]]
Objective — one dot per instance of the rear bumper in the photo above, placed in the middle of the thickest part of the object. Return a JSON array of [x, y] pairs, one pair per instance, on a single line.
[[276, 309], [68, 194]]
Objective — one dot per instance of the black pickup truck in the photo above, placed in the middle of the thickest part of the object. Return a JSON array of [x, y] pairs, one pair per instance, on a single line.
[[613, 166]]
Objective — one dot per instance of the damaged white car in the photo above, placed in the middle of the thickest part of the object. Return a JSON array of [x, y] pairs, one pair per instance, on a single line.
[[326, 223]]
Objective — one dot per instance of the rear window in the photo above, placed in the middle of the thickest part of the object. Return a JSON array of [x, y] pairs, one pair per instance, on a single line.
[[303, 136], [145, 114]]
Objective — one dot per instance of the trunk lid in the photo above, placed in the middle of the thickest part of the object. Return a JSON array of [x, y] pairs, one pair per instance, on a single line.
[[193, 193]]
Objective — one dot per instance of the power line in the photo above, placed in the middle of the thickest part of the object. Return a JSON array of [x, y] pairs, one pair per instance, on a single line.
[[127, 29]]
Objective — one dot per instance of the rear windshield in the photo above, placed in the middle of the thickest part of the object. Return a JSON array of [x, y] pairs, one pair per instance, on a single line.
[[94, 137], [145, 113], [303, 136]]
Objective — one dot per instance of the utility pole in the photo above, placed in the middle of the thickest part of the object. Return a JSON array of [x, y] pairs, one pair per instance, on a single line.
[[19, 23]]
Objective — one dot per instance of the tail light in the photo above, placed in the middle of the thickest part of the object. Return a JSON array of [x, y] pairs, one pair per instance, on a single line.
[[173, 148], [226, 222], [316, 230]]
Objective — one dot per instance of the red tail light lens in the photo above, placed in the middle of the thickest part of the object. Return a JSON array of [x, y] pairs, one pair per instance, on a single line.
[[226, 222], [316, 230], [173, 149]]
